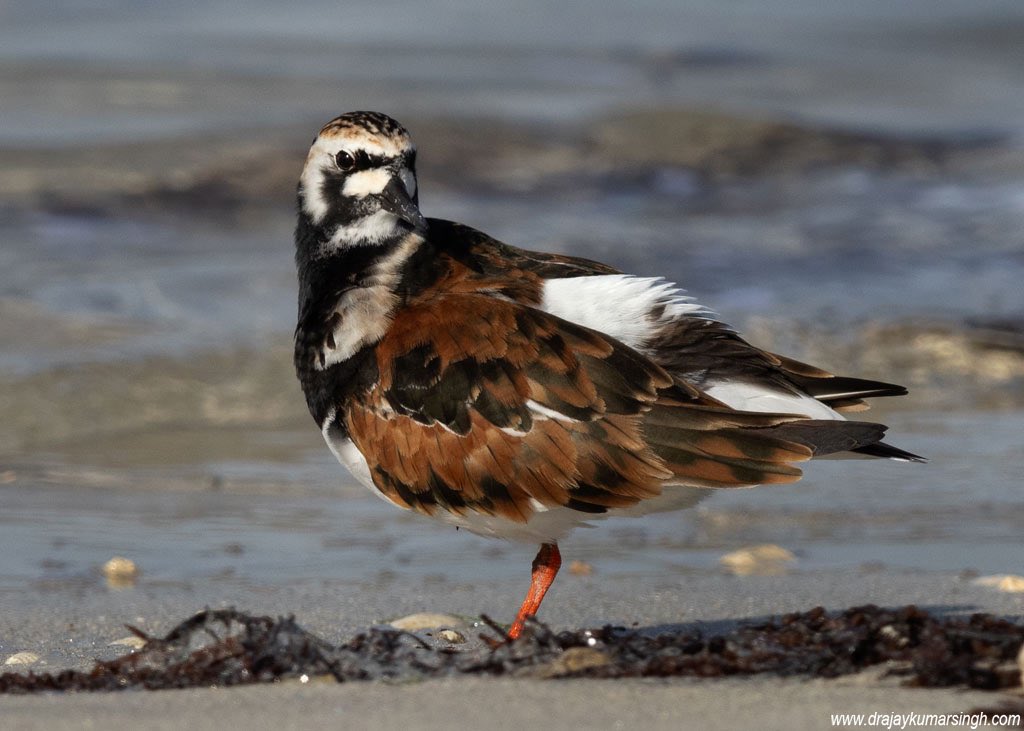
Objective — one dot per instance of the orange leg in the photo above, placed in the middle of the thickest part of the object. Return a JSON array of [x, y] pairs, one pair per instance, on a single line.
[[545, 568]]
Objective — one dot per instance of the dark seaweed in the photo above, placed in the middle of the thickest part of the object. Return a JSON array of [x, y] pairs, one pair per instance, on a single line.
[[227, 647]]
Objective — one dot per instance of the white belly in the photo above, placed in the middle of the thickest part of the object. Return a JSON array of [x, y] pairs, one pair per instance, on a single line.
[[554, 524]]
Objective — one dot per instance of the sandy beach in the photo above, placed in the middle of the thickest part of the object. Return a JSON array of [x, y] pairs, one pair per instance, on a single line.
[[68, 630]]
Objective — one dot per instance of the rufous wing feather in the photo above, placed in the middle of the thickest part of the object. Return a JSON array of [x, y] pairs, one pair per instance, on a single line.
[[486, 405]]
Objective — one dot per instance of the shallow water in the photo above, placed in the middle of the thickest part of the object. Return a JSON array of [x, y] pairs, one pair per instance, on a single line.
[[149, 408], [116, 69], [250, 522], [844, 246]]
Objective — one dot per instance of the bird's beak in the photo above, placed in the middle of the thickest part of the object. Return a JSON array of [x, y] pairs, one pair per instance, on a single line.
[[396, 199]]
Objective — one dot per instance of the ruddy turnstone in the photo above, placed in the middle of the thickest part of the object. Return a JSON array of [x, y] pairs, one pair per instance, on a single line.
[[519, 394]]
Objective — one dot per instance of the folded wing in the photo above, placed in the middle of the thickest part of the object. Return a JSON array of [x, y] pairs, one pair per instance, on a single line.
[[486, 405]]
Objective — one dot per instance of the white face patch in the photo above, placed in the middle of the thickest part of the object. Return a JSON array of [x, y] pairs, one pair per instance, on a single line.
[[311, 180], [631, 309], [366, 182], [365, 231]]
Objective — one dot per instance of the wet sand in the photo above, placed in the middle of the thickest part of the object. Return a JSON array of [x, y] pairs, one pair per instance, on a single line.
[[493, 704]]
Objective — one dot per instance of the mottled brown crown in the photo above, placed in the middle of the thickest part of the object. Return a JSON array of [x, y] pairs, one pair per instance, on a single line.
[[374, 123]]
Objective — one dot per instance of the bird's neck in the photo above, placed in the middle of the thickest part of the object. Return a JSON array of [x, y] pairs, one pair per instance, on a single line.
[[325, 272], [347, 301]]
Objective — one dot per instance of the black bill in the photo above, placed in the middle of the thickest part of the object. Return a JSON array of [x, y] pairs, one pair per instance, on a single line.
[[396, 200]]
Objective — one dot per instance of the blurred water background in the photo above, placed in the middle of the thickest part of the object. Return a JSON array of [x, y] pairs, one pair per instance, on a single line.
[[842, 181]]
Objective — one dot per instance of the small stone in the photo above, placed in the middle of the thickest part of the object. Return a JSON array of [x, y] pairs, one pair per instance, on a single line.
[[424, 620], [573, 660], [1009, 583], [8, 476], [120, 572], [133, 641], [120, 566], [763, 560], [580, 568], [451, 636], [22, 658]]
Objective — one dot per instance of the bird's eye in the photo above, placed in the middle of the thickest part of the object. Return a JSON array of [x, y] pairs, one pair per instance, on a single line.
[[345, 161]]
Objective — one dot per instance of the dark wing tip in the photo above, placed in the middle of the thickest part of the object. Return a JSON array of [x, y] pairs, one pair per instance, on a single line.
[[831, 437], [843, 387], [887, 451]]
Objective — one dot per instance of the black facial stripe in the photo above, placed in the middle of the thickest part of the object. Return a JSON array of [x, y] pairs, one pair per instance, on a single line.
[[373, 161], [362, 160], [341, 209]]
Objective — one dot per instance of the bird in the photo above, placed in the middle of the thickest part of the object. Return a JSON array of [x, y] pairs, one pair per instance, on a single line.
[[520, 394]]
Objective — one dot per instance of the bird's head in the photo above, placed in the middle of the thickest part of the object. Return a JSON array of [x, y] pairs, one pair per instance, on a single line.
[[359, 182]]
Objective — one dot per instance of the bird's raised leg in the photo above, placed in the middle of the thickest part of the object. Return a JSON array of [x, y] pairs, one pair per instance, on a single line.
[[545, 568]]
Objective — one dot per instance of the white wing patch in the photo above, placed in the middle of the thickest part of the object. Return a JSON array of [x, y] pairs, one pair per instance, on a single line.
[[631, 309], [545, 412], [745, 396], [635, 309]]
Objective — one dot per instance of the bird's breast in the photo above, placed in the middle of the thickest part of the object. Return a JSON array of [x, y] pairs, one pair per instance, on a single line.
[[360, 318]]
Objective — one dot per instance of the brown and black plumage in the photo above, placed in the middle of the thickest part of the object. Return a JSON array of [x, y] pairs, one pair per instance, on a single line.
[[518, 393]]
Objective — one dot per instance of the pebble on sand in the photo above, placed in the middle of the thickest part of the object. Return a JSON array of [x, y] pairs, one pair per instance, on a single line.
[[22, 658], [132, 641], [120, 572], [1009, 583], [580, 568], [763, 560], [451, 636], [425, 620]]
